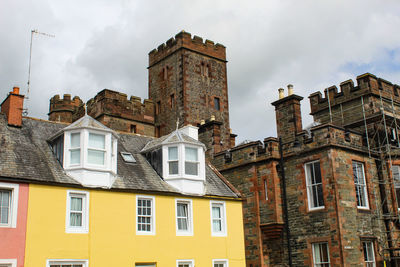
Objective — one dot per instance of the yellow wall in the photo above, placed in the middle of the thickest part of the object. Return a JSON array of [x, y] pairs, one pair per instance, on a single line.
[[112, 239]]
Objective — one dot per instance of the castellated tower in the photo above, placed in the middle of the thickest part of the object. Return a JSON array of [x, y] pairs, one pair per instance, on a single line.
[[188, 83]]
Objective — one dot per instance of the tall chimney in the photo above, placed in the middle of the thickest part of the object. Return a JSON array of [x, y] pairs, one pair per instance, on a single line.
[[12, 106], [288, 117]]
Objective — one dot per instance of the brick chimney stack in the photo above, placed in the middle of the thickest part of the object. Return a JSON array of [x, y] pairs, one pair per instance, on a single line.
[[12, 106], [288, 115]]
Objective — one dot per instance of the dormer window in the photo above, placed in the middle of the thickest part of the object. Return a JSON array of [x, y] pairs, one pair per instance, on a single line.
[[90, 152], [96, 149], [179, 159]]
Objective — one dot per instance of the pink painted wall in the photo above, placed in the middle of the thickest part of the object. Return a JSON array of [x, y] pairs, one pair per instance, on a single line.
[[12, 240]]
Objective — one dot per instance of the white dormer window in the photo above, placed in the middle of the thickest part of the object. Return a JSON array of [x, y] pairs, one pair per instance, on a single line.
[[88, 152], [179, 159], [96, 149]]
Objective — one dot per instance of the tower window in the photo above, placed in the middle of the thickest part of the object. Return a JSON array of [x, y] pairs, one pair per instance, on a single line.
[[216, 103], [133, 128], [171, 100], [158, 131], [158, 107]]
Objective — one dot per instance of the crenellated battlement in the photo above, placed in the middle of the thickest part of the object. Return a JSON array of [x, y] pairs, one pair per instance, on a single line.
[[366, 84], [64, 109], [248, 152], [185, 40], [112, 103]]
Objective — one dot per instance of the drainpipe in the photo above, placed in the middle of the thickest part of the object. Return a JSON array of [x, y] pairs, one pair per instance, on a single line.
[[285, 209]]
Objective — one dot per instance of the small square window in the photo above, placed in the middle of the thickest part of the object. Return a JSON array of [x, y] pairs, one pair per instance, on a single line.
[[184, 217], [128, 157], [77, 219], [8, 262], [133, 128], [185, 263], [67, 263], [218, 218], [220, 263], [145, 216]]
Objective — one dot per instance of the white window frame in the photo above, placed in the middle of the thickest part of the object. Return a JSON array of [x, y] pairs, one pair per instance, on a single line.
[[84, 229], [363, 186], [13, 211], [189, 231], [10, 262], [97, 149], [371, 260], [153, 215], [310, 186], [70, 148], [220, 261], [190, 262], [49, 262], [222, 206], [318, 264], [178, 160], [196, 162]]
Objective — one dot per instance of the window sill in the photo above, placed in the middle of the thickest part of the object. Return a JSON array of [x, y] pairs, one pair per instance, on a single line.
[[76, 231], [219, 234], [145, 233], [316, 209]]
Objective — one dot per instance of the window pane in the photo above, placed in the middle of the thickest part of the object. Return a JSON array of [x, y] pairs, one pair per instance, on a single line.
[[173, 167], [5, 205], [191, 154], [173, 153], [75, 219], [75, 140], [76, 204], [96, 157], [75, 156], [96, 141], [191, 168], [182, 209]]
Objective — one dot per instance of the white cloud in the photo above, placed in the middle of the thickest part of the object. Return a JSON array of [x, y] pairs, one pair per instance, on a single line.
[[102, 44]]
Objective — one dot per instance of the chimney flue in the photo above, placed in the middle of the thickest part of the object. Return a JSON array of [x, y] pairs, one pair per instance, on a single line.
[[281, 93], [290, 89]]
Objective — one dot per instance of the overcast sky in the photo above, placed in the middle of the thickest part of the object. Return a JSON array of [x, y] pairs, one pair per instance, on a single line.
[[104, 44]]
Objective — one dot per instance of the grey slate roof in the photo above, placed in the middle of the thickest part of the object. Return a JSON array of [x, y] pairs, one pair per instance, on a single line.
[[174, 137], [25, 155]]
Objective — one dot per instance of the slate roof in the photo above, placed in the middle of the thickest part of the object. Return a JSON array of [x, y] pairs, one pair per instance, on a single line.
[[175, 137], [26, 155]]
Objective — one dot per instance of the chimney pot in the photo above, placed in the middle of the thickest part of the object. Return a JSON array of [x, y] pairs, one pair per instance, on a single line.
[[281, 93], [202, 122], [16, 90], [290, 89], [212, 118]]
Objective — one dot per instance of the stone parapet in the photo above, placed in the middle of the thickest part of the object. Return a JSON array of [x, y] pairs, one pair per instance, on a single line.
[[185, 40]]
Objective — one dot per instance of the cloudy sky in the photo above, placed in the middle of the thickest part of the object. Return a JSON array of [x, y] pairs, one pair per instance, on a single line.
[[104, 44]]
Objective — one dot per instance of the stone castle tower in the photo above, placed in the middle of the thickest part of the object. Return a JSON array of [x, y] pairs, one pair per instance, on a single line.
[[188, 83]]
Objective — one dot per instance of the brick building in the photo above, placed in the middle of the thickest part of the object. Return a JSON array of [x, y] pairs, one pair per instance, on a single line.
[[327, 193], [323, 195]]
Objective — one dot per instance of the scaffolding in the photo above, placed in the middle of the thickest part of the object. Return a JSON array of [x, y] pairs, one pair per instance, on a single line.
[[379, 126]]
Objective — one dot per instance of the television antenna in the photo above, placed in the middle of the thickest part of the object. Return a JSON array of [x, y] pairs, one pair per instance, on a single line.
[[33, 32]]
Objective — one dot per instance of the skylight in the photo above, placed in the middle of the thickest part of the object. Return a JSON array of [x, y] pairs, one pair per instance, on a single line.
[[128, 157]]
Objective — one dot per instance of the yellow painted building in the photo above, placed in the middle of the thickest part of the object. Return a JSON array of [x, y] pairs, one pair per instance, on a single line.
[[112, 239], [97, 198]]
